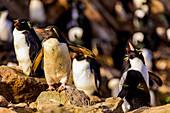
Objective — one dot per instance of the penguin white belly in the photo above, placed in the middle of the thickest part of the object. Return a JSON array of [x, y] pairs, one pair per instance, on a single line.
[[82, 76], [57, 62], [22, 51]]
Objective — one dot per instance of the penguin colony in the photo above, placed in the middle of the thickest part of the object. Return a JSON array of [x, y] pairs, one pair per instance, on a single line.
[[54, 51]]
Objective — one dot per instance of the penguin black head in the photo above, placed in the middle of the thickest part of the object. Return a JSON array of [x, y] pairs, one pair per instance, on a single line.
[[22, 24], [79, 56], [51, 32], [134, 53]]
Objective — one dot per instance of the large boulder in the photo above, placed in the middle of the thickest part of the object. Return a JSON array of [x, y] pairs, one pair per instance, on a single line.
[[73, 100], [17, 87]]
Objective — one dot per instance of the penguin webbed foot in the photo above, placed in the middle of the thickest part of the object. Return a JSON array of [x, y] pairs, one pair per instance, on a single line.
[[61, 87], [50, 88]]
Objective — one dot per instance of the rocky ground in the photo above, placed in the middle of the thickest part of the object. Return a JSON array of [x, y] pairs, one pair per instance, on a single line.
[[22, 94]]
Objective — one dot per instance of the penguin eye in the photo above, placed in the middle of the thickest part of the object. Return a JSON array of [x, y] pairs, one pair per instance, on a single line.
[[48, 31]]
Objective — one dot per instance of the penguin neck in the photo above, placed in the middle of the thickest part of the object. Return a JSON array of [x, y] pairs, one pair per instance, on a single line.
[[18, 31], [136, 64]]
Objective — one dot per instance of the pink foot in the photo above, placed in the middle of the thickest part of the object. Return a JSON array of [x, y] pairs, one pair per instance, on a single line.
[[62, 87], [50, 88]]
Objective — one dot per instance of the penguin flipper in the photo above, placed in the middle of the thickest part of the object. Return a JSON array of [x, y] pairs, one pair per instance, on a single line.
[[81, 49], [96, 71], [36, 61], [155, 78]]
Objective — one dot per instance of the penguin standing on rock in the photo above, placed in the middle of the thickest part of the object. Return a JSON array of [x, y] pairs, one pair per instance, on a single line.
[[86, 74], [26, 45], [57, 61], [134, 84]]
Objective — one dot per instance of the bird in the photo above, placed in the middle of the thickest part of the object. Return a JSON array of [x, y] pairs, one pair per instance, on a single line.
[[26, 45], [134, 83], [86, 74], [79, 28], [57, 61], [6, 26], [37, 12]]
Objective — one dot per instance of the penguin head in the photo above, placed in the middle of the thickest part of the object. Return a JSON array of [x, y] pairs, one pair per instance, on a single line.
[[79, 56], [50, 32], [22, 24], [134, 53]]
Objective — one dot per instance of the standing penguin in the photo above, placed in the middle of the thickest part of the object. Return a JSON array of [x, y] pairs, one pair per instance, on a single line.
[[134, 84], [6, 26], [57, 61], [26, 45], [86, 74]]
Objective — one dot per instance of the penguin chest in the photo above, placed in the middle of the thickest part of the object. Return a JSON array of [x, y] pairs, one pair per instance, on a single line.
[[22, 51], [83, 77], [57, 62]]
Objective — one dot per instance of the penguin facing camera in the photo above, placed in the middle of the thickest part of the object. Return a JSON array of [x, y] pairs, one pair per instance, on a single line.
[[134, 83], [57, 61], [26, 46], [86, 74]]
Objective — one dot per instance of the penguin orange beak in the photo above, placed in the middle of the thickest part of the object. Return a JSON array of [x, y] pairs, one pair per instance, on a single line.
[[74, 55], [39, 30], [16, 24], [131, 47]]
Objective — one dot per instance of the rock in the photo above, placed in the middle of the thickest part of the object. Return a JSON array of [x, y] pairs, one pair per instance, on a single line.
[[158, 109], [20, 108], [17, 87], [73, 100], [69, 96], [5, 110], [3, 102]]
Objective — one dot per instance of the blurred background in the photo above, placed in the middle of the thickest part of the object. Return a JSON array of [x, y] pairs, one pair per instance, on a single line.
[[103, 26]]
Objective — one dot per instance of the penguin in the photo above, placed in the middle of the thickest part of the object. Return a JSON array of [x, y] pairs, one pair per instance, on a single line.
[[57, 61], [6, 26], [86, 74], [134, 83], [37, 12], [26, 46], [79, 28]]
